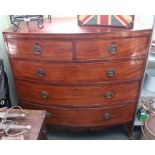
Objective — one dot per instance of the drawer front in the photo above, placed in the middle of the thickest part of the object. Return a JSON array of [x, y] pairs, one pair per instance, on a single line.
[[40, 49], [79, 72], [77, 96], [87, 116], [111, 49]]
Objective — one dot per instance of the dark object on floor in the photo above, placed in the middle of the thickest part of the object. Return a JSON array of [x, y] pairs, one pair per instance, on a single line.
[[4, 88]]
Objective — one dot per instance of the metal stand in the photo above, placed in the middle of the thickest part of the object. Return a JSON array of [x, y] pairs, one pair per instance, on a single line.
[[15, 20]]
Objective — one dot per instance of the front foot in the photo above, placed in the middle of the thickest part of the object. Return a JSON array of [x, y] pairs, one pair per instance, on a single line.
[[130, 130], [131, 138]]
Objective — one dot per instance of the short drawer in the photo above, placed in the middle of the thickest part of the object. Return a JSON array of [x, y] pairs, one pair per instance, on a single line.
[[78, 72], [111, 49], [87, 116], [40, 49], [77, 96]]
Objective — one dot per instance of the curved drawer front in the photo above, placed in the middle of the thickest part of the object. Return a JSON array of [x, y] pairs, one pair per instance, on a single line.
[[87, 116], [40, 49], [79, 72], [111, 49], [77, 96]]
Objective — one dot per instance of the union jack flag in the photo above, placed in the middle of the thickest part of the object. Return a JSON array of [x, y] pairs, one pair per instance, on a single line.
[[109, 20]]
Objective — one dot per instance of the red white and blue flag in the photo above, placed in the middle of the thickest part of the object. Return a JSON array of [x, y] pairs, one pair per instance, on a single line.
[[111, 20]]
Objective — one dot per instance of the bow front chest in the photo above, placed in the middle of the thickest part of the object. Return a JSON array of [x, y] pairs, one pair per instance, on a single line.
[[85, 77]]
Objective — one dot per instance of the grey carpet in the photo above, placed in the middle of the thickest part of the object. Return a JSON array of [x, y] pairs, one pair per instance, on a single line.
[[115, 133]]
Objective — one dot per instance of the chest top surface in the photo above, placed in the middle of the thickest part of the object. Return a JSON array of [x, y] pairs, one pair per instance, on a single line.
[[69, 27]]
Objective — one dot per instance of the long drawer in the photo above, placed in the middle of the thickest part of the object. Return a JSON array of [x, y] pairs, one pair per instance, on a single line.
[[77, 96], [111, 49], [40, 49], [87, 116], [78, 72]]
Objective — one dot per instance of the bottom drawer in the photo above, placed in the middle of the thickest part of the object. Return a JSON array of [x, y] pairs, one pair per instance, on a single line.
[[87, 116]]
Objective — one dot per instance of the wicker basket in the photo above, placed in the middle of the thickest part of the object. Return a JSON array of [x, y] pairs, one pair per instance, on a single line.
[[148, 130]]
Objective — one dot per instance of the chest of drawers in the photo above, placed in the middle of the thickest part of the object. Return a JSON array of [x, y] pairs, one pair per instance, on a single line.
[[85, 77]]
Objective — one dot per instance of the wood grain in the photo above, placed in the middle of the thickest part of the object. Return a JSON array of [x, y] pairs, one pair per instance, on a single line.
[[51, 49], [78, 72], [78, 96], [98, 49], [87, 116]]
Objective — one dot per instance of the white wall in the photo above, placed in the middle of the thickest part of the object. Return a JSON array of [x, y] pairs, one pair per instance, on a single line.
[[5, 23], [144, 21]]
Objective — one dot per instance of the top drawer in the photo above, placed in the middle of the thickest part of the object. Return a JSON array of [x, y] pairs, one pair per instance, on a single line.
[[40, 49], [111, 49]]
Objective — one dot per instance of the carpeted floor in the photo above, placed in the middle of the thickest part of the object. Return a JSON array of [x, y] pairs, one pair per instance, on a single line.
[[116, 133]]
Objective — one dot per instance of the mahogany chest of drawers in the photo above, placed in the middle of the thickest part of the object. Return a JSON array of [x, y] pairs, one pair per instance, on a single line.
[[85, 77]]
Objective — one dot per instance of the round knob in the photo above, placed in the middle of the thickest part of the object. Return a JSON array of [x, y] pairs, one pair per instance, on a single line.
[[41, 72], [2, 102], [113, 48], [37, 49], [111, 72], [107, 116], [44, 94], [108, 95]]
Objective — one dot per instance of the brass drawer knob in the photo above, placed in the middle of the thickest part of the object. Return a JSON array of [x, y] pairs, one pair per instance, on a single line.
[[41, 72], [108, 95], [37, 49], [44, 94], [113, 48], [107, 116], [48, 115], [111, 73]]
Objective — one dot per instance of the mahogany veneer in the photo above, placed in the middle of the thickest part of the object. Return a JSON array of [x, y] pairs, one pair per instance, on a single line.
[[77, 96], [84, 77], [98, 49], [51, 50], [88, 117], [79, 72]]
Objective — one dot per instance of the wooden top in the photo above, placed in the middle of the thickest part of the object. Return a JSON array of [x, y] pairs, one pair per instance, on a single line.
[[35, 118], [67, 27]]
